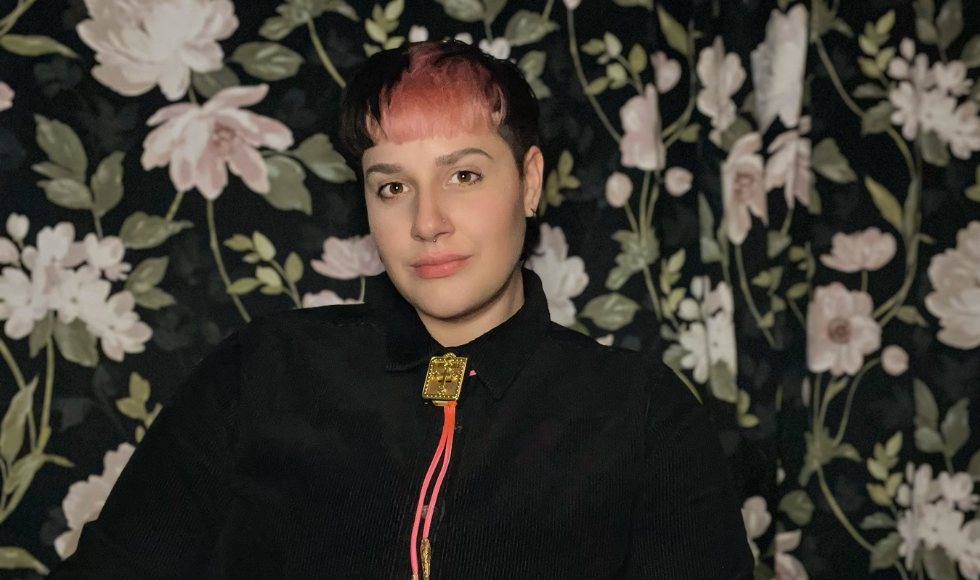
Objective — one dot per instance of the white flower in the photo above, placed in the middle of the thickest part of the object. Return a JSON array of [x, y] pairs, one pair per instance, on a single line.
[[777, 68], [958, 490], [106, 255], [9, 254], [17, 226], [143, 43], [668, 71], [955, 299], [787, 566], [642, 146], [894, 360], [23, 302], [961, 130], [498, 47], [418, 34], [562, 277], [85, 499], [968, 555], [6, 96], [606, 340], [789, 165], [326, 298], [348, 259], [678, 181], [907, 48], [952, 78], [619, 187], [710, 338], [464, 37], [721, 77], [78, 293], [118, 328], [572, 4], [906, 102], [55, 247], [756, 517], [868, 250]]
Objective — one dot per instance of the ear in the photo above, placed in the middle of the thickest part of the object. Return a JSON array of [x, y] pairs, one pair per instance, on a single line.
[[533, 180]]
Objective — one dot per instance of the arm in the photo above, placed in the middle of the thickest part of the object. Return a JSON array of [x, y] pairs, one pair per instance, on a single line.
[[687, 523], [165, 511]]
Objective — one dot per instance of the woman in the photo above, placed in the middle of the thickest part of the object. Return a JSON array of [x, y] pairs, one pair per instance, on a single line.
[[327, 442]]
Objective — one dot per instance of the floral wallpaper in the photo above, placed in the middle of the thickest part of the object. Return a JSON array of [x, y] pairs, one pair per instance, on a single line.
[[781, 199]]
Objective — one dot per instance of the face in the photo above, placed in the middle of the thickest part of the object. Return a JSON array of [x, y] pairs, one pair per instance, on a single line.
[[448, 216]]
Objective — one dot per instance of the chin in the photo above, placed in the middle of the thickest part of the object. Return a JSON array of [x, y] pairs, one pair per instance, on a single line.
[[444, 298]]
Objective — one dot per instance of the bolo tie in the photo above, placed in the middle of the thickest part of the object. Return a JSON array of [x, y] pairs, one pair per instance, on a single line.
[[443, 383]]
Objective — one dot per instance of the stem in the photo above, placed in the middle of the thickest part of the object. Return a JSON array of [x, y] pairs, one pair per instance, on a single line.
[[832, 73], [689, 384], [46, 405], [360, 297], [632, 219], [174, 205], [9, 20], [486, 30], [652, 203], [839, 513], [850, 398], [901, 572], [216, 250], [191, 94], [547, 9], [675, 129], [292, 287], [744, 284], [573, 48], [633, 76], [12, 363], [788, 221], [324, 58], [864, 280], [644, 195], [98, 224], [815, 403], [949, 464], [796, 311], [911, 238]]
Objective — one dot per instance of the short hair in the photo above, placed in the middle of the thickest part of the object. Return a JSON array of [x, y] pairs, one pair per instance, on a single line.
[[438, 88]]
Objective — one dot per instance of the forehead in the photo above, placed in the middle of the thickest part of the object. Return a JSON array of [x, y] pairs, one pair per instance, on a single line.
[[439, 149]]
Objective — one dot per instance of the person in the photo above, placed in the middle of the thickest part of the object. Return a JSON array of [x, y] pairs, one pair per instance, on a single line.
[[446, 428]]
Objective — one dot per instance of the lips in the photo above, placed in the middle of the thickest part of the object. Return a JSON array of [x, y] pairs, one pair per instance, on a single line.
[[439, 265]]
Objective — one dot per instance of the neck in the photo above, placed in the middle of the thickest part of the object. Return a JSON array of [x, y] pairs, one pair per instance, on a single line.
[[462, 329]]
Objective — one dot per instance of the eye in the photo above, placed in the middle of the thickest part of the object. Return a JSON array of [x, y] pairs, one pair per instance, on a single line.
[[466, 177], [394, 188]]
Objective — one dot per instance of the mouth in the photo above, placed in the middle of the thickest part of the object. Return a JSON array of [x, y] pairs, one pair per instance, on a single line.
[[439, 265]]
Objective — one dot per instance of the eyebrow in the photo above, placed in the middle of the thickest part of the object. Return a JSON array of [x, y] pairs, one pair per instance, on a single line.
[[442, 160]]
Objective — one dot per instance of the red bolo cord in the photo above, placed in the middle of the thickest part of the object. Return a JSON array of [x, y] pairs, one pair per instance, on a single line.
[[445, 444]]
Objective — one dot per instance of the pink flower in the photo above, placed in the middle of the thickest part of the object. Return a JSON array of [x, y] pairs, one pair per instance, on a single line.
[[326, 298], [955, 298], [668, 71], [199, 141], [619, 187], [349, 259], [642, 145], [789, 166], [721, 75], [868, 250], [677, 181], [894, 360], [6, 96], [742, 187], [840, 330]]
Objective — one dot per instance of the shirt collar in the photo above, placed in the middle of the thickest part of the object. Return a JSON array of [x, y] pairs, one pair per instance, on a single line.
[[496, 356]]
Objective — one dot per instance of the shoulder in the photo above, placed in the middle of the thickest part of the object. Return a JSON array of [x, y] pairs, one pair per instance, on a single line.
[[334, 318]]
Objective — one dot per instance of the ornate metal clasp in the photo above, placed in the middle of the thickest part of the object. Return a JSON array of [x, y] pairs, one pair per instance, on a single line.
[[444, 379]]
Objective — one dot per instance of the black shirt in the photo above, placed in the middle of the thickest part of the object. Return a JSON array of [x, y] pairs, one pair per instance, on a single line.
[[297, 449]]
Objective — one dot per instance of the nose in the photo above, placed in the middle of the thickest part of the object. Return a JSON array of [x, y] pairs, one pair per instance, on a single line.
[[430, 219]]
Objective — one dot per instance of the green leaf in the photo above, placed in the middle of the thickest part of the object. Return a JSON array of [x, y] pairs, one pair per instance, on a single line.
[[676, 262], [62, 145], [39, 336], [894, 444], [263, 246], [635, 253], [338, 6], [493, 8], [53, 170], [394, 9], [131, 408], [594, 47], [691, 133], [949, 25], [638, 59], [268, 276], [139, 388], [878, 118], [286, 188], [268, 61], [938, 564], [734, 132], [877, 521], [673, 31], [209, 83], [465, 10], [910, 315], [829, 162], [926, 31], [525, 27], [886, 202], [141, 231], [797, 291], [532, 64], [973, 468], [798, 506], [970, 55], [928, 440], [14, 558], [293, 268], [275, 28], [648, 4], [610, 311], [34, 45], [14, 420], [722, 383], [956, 427], [926, 410], [934, 151], [243, 286], [76, 343], [885, 552], [154, 299], [239, 243], [869, 91], [374, 31], [885, 23], [541, 90], [612, 44], [319, 155], [67, 193], [597, 86], [107, 186], [973, 192], [147, 274]]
